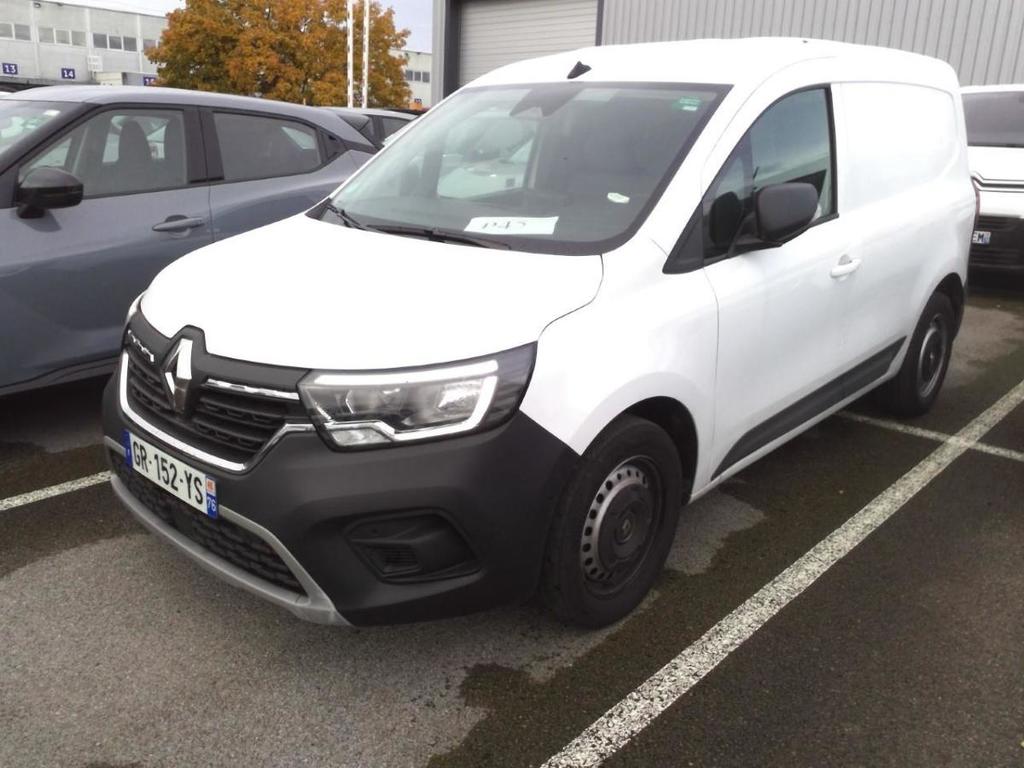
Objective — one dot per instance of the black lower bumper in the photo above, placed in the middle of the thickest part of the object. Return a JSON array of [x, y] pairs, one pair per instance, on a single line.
[[400, 534], [1005, 250]]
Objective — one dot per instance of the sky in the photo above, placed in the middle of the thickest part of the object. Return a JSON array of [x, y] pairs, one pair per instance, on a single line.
[[414, 15]]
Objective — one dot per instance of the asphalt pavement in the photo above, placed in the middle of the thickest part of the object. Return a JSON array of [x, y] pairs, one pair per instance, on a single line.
[[908, 651]]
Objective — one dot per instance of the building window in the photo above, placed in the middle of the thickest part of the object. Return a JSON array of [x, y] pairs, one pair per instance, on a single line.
[[408, 75], [114, 42], [46, 35], [130, 44], [99, 40], [22, 32], [77, 37], [426, 77], [6, 29], [147, 43], [63, 37]]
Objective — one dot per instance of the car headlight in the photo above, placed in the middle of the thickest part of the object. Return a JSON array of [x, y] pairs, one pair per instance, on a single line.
[[361, 409]]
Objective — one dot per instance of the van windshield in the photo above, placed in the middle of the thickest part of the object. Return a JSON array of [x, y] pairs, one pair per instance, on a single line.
[[20, 118], [558, 167], [995, 119]]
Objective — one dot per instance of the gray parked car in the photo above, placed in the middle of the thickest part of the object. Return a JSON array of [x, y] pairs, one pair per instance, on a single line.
[[101, 187], [377, 125]]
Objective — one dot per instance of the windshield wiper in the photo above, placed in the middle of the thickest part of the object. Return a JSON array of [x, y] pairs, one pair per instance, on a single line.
[[347, 218], [441, 235]]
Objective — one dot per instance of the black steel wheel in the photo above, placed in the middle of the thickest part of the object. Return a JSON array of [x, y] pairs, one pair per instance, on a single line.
[[614, 524], [913, 391]]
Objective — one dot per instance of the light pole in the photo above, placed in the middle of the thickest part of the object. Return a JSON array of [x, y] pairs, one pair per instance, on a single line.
[[351, 47], [366, 52]]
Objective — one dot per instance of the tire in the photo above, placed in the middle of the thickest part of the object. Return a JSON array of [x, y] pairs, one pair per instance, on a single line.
[[614, 525], [915, 388]]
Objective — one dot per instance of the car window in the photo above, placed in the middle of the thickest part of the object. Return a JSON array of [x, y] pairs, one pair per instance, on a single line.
[[569, 168], [789, 142], [121, 151], [995, 118], [253, 147], [391, 125], [19, 119], [484, 156]]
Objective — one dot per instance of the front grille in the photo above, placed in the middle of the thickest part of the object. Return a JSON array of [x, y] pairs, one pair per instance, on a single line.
[[995, 223], [219, 536], [1006, 246], [232, 425]]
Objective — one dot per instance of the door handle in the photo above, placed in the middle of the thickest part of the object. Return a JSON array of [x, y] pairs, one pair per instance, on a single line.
[[846, 266], [178, 224]]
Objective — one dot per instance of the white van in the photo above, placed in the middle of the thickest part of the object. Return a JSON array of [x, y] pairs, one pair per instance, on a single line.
[[650, 266], [995, 138]]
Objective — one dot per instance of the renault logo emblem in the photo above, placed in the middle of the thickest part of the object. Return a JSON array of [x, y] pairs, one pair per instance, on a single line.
[[178, 374]]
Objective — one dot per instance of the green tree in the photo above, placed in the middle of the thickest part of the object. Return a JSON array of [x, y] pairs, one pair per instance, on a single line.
[[293, 50]]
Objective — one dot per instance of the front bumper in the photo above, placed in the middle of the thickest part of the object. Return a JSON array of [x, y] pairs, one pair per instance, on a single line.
[[488, 496], [1002, 216]]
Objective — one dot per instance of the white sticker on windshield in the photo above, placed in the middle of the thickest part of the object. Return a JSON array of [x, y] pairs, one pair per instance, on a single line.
[[512, 225]]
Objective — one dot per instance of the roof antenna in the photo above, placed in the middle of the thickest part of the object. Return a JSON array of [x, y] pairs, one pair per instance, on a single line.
[[576, 71]]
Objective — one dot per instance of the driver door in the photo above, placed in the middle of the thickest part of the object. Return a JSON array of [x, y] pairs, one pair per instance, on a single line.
[[68, 277], [780, 354]]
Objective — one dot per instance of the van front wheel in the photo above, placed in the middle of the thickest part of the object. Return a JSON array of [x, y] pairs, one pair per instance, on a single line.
[[614, 524]]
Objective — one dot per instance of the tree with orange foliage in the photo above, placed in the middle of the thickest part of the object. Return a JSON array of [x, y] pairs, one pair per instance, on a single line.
[[292, 50]]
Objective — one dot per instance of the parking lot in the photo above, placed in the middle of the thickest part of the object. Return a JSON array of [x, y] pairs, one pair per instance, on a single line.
[[904, 649]]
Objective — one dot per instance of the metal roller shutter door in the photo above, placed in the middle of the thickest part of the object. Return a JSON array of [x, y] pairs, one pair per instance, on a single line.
[[497, 32]]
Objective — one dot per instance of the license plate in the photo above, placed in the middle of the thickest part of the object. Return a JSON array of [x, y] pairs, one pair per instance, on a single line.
[[980, 237], [176, 477]]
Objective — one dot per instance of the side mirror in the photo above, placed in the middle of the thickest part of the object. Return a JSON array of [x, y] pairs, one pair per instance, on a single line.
[[784, 209], [46, 188]]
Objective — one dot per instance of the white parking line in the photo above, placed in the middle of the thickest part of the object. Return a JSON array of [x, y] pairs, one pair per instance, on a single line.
[[53, 490], [622, 722], [928, 434]]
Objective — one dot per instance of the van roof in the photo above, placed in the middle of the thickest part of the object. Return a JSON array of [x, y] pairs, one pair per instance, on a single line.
[[733, 61]]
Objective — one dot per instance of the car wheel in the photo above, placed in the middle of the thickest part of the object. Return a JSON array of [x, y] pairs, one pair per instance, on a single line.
[[614, 524], [915, 388]]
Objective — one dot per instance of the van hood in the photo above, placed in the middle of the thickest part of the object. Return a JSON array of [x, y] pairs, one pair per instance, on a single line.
[[997, 164], [311, 294]]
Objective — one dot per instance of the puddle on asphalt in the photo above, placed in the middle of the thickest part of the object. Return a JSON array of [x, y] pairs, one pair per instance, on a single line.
[[703, 528]]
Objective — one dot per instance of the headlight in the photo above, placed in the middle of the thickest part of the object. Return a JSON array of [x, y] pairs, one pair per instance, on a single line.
[[354, 410]]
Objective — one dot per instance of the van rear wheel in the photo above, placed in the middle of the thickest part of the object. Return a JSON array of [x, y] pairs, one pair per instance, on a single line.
[[916, 387], [614, 524]]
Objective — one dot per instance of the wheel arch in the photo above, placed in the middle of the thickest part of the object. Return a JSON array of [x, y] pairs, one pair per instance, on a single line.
[[952, 287], [673, 417]]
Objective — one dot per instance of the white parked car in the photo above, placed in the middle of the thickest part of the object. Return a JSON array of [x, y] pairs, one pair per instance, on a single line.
[[408, 404], [995, 135]]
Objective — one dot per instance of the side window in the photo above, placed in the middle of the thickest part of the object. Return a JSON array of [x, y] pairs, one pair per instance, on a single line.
[[392, 125], [790, 141], [121, 151], [253, 147]]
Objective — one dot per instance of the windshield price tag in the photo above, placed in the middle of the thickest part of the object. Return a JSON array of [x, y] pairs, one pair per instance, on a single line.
[[513, 225]]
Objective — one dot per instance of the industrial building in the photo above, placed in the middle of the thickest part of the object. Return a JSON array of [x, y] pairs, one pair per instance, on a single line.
[[982, 39], [417, 66], [50, 43]]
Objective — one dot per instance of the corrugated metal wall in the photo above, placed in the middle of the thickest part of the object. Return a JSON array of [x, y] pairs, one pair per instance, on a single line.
[[982, 39], [498, 32]]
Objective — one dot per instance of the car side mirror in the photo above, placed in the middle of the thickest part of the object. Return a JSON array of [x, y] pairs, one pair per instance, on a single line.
[[46, 188], [782, 210]]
